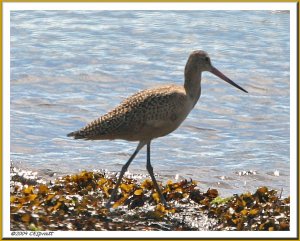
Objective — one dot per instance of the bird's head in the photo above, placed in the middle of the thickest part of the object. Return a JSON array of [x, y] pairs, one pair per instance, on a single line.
[[199, 61]]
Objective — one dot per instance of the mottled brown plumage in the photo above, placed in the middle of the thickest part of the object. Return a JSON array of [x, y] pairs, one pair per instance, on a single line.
[[141, 116], [152, 113]]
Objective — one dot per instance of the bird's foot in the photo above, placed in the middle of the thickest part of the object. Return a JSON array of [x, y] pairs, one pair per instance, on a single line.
[[108, 205], [164, 202]]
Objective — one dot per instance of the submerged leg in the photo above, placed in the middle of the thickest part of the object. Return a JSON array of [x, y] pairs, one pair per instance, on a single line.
[[123, 170], [150, 170]]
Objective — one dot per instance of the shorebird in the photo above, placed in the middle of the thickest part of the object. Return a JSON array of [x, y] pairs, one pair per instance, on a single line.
[[152, 113]]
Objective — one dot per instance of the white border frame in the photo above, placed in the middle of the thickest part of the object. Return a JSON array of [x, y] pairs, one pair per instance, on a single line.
[[292, 7]]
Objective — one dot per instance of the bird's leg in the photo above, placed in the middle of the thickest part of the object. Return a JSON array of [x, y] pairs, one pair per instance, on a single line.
[[150, 170], [123, 170]]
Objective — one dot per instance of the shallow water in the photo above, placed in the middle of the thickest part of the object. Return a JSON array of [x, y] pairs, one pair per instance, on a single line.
[[70, 67]]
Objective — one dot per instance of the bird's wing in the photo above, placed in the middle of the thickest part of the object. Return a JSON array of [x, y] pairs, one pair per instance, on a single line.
[[147, 107]]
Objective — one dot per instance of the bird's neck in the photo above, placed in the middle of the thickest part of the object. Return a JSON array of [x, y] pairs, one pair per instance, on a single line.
[[192, 85]]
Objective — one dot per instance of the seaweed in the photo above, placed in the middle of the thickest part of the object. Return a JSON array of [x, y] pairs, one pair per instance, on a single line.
[[77, 202]]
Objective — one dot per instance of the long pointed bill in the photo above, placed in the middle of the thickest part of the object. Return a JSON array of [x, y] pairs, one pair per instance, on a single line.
[[225, 78]]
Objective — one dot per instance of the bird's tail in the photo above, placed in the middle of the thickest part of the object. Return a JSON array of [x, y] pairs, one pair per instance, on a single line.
[[91, 131], [76, 135]]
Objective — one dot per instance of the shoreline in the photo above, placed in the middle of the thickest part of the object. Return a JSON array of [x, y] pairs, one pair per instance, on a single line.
[[77, 202]]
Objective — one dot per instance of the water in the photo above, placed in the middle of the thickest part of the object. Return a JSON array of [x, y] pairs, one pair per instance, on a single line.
[[70, 67]]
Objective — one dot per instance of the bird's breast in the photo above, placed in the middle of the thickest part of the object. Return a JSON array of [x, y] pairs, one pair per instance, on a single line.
[[169, 122], [144, 116]]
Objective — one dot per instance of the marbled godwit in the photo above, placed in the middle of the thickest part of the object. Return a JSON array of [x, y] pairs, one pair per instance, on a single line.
[[152, 113]]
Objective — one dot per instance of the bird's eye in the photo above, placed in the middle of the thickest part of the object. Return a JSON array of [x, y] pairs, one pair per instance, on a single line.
[[207, 59]]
